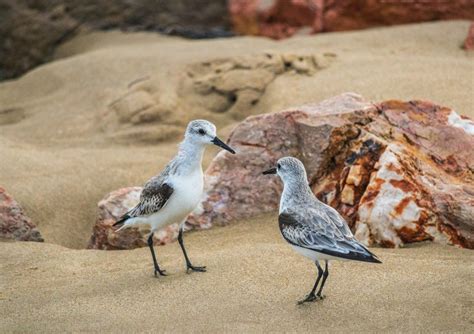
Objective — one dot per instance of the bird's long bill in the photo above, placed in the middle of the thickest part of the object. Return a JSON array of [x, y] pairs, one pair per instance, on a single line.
[[270, 171], [216, 141]]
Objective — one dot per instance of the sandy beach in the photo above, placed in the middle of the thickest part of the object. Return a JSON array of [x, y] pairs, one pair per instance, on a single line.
[[252, 285], [58, 158]]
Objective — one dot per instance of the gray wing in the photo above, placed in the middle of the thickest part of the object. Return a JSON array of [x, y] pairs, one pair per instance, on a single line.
[[323, 232]]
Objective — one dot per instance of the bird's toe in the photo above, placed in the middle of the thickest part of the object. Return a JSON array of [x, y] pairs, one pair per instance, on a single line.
[[196, 268], [160, 273], [308, 299]]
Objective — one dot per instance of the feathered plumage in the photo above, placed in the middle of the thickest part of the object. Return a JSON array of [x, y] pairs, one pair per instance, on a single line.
[[314, 229], [324, 232], [153, 197], [169, 197]]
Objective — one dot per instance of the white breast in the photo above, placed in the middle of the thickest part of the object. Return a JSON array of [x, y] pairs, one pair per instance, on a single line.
[[188, 190], [314, 255], [187, 194]]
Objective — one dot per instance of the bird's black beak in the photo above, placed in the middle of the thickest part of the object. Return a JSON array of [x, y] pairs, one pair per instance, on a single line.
[[216, 141], [270, 171]]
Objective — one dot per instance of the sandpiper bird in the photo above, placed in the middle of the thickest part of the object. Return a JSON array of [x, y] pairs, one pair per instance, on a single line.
[[171, 196], [312, 228]]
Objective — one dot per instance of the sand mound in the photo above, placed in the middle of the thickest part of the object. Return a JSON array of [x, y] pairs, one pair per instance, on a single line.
[[63, 126]]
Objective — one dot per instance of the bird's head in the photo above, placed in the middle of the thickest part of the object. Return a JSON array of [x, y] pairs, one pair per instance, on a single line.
[[289, 169], [203, 132]]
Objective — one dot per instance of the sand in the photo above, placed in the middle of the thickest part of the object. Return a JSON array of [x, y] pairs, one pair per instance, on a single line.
[[59, 157], [252, 284]]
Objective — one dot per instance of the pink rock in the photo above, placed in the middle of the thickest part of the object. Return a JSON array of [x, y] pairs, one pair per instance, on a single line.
[[276, 19], [14, 224], [399, 172], [112, 207], [469, 42], [283, 18], [340, 15]]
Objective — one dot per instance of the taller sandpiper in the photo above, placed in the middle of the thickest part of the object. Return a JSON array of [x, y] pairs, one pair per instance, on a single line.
[[312, 228], [172, 195]]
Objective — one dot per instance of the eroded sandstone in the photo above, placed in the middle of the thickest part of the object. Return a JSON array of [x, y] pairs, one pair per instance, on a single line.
[[145, 112]]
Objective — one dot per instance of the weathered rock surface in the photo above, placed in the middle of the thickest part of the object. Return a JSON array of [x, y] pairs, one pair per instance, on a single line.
[[30, 30], [231, 85], [111, 208], [469, 42], [284, 18], [399, 172], [14, 224]]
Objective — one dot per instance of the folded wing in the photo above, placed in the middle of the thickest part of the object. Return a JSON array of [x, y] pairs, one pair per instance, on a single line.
[[153, 198], [322, 231]]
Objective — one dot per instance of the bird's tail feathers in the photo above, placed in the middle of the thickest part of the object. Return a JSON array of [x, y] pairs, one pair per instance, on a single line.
[[373, 258], [121, 223], [124, 226]]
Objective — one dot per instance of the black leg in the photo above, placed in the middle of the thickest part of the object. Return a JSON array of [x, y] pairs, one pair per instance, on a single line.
[[155, 263], [189, 266], [312, 297], [325, 276]]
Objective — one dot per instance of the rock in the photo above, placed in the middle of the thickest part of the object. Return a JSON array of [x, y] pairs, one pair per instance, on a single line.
[[29, 35], [30, 30], [277, 18], [14, 224], [399, 172], [469, 42], [283, 18], [339, 15], [112, 207]]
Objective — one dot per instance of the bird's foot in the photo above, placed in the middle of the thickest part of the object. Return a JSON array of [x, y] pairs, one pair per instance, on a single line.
[[320, 296], [190, 268], [160, 272], [309, 298]]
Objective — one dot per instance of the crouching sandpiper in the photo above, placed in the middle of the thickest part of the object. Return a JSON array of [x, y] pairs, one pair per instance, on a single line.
[[312, 228], [172, 195]]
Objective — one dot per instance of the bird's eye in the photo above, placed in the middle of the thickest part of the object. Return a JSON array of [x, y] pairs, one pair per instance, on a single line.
[[278, 166], [202, 132]]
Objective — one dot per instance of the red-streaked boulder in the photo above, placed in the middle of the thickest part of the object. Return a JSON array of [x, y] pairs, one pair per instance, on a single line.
[[399, 172], [339, 15], [469, 41], [111, 208], [14, 224], [284, 18]]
